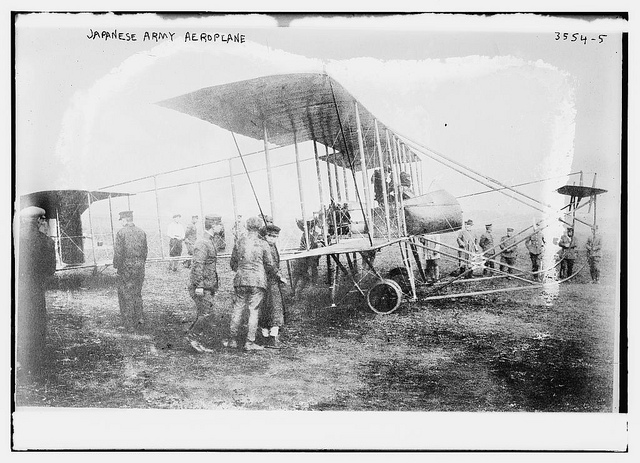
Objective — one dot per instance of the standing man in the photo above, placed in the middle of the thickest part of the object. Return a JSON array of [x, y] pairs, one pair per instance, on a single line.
[[272, 311], [218, 232], [535, 245], [488, 248], [569, 253], [432, 258], [377, 179], [508, 256], [175, 232], [203, 284], [129, 257], [36, 263], [467, 244], [594, 254], [252, 261], [190, 238]]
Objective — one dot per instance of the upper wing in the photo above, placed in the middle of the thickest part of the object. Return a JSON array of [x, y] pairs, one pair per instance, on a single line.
[[291, 107]]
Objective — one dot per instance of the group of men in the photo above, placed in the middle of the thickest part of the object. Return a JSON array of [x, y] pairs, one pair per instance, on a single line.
[[257, 283], [484, 250], [475, 252], [178, 235], [255, 259], [380, 179]]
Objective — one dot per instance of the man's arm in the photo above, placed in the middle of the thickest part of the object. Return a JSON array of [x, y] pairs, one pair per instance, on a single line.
[[234, 258], [269, 263], [197, 264]]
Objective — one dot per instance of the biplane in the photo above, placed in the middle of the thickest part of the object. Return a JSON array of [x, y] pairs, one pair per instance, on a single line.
[[383, 206], [294, 108]]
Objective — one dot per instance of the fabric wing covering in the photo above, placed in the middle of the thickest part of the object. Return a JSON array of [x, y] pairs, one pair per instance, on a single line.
[[293, 108]]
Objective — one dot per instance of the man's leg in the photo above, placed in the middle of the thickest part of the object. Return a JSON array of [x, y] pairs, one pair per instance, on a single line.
[[255, 297], [122, 302], [239, 304], [137, 279], [569, 267]]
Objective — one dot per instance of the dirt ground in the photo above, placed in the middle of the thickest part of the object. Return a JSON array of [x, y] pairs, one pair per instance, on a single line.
[[518, 351]]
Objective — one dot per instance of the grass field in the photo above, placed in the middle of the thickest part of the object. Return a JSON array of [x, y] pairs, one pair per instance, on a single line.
[[519, 351]]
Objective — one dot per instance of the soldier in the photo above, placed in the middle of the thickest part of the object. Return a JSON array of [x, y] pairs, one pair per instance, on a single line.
[[432, 258], [190, 238], [252, 261], [594, 254], [488, 248], [218, 233], [129, 257], [378, 190], [508, 255], [203, 284], [272, 311], [405, 186], [535, 245], [467, 243], [36, 263], [569, 253], [175, 232]]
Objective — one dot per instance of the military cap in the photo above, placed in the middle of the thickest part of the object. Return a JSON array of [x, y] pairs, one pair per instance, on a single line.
[[270, 228], [176, 215], [32, 212], [196, 216], [569, 228], [254, 223], [469, 222], [489, 225], [213, 217], [126, 215], [509, 229]]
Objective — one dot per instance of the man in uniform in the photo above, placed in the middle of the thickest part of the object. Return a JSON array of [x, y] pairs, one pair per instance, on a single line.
[[594, 254], [190, 238], [508, 255], [129, 257], [378, 189], [488, 249], [569, 253], [432, 258], [535, 245], [272, 311], [218, 232], [203, 284], [36, 263], [175, 232], [467, 244], [252, 261]]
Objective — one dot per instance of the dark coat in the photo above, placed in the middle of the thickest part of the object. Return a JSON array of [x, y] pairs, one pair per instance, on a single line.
[[130, 247], [252, 261], [203, 265]]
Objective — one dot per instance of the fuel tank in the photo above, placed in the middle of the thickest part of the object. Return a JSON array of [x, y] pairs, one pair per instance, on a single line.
[[434, 212]]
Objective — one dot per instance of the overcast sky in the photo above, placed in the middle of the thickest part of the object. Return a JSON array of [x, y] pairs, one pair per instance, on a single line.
[[501, 95]]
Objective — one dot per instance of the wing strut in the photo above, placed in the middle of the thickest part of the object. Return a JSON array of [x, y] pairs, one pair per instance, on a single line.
[[353, 172]]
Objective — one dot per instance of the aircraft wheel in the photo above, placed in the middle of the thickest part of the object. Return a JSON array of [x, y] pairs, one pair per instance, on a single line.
[[384, 297]]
